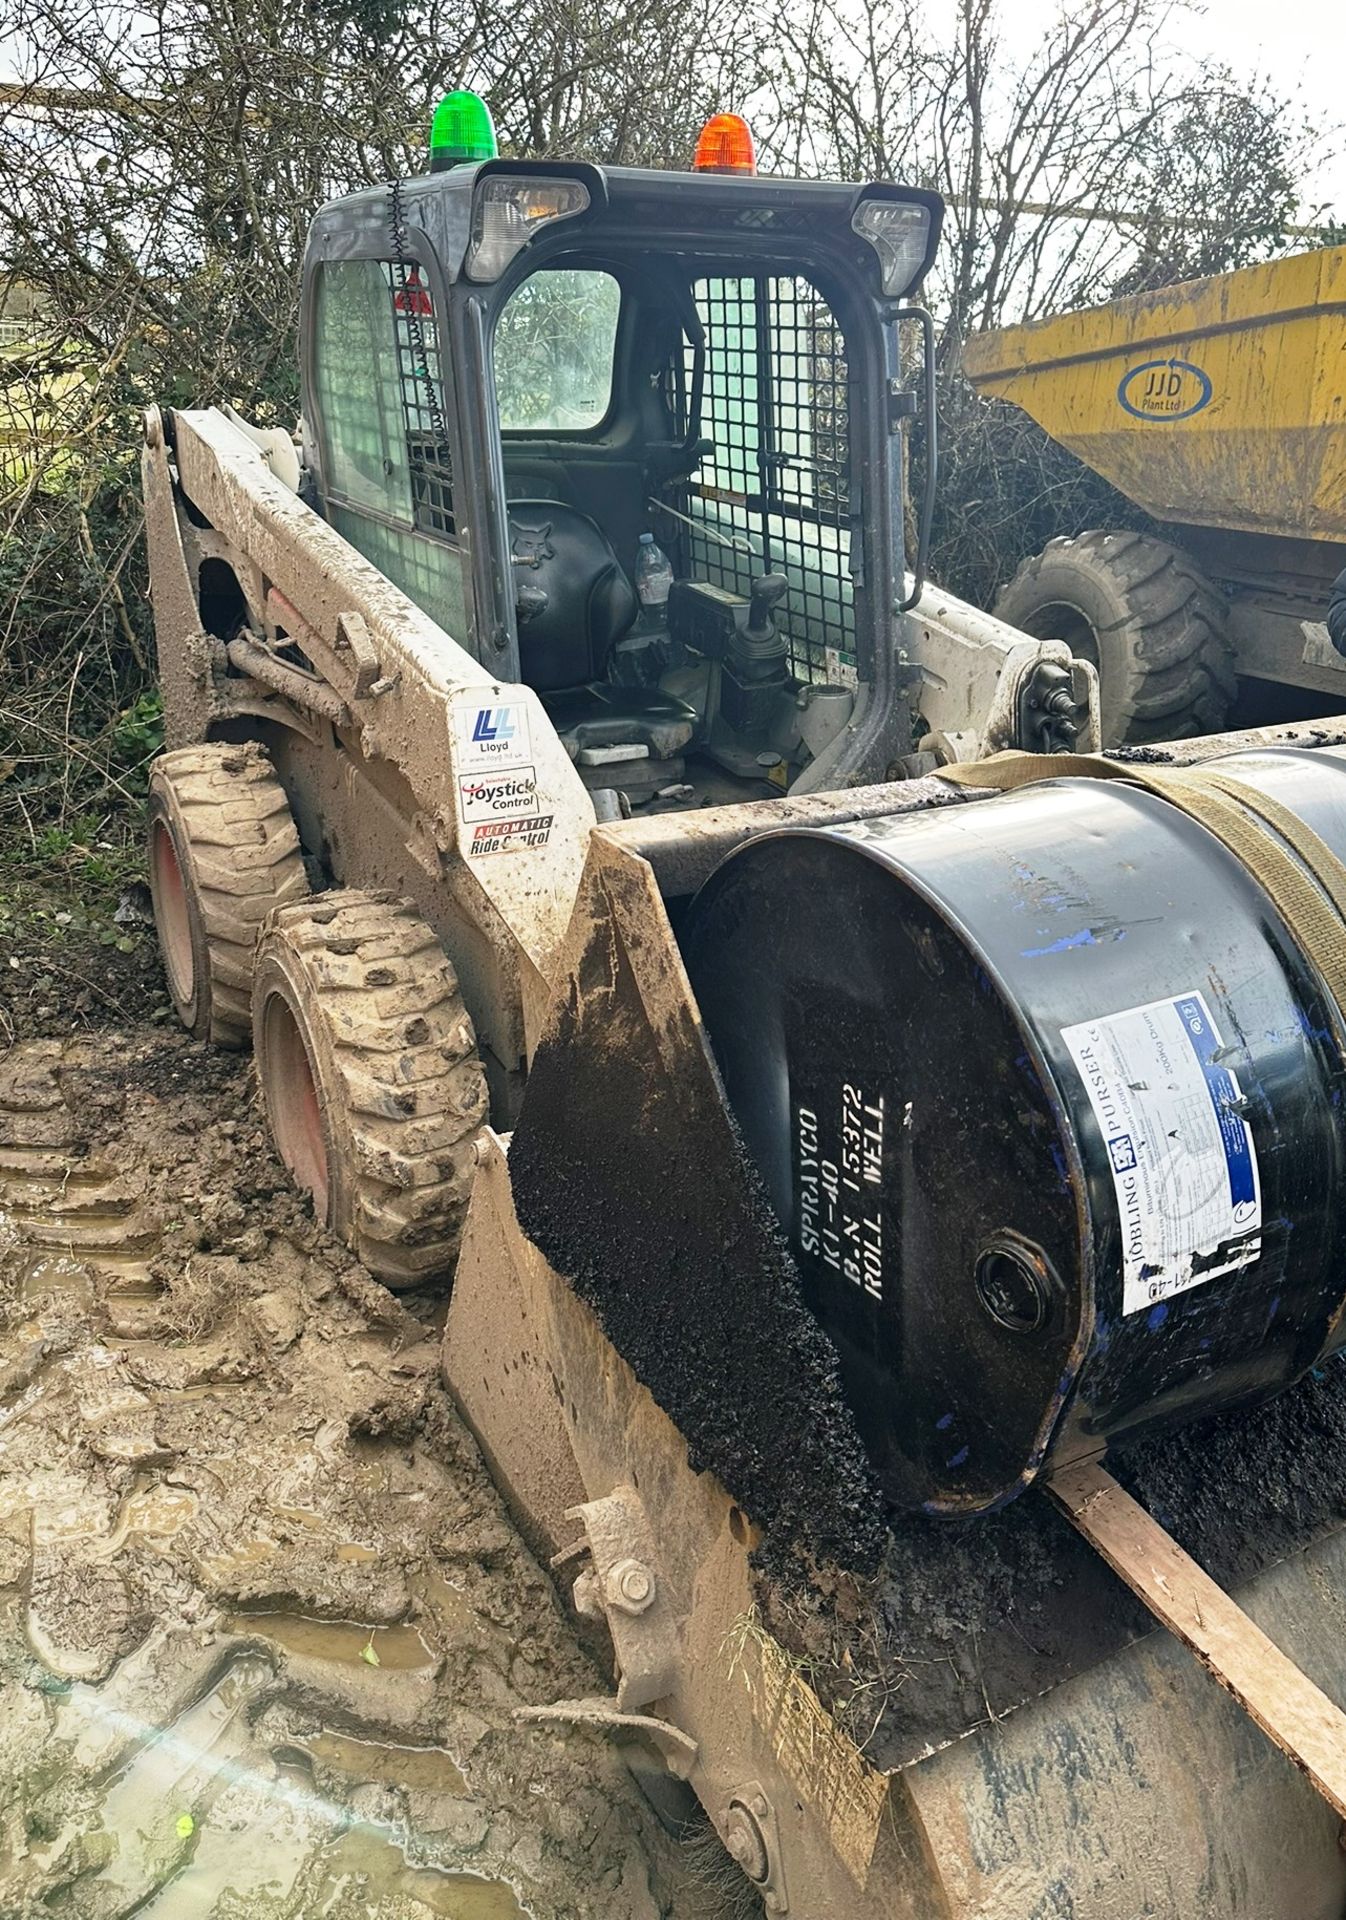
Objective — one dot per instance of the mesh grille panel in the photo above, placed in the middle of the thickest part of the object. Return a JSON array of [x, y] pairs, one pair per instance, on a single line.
[[420, 379], [776, 406]]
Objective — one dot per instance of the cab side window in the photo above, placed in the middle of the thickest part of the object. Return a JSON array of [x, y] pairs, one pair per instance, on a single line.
[[380, 388], [554, 349], [382, 396], [359, 390]]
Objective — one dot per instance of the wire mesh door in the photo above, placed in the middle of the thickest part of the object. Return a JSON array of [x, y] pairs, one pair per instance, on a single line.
[[420, 383], [778, 484]]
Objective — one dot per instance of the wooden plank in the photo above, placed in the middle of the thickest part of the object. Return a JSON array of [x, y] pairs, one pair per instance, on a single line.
[[1284, 1702]]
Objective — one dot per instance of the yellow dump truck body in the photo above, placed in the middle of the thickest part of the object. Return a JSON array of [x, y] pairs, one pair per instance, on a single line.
[[1218, 403]]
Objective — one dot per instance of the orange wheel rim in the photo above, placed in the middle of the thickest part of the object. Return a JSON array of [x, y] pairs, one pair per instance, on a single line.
[[292, 1096], [171, 915]]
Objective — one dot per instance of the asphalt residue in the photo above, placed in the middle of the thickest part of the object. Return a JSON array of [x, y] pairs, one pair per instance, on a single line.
[[971, 1618], [634, 1183]]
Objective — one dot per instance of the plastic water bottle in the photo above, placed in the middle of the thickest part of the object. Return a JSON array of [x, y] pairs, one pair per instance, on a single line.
[[654, 578]]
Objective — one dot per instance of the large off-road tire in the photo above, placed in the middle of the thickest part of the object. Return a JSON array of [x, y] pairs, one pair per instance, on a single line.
[[1149, 620], [223, 853], [370, 1073]]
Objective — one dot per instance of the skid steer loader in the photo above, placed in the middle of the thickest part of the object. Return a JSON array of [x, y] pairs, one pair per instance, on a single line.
[[827, 1156], [420, 658]]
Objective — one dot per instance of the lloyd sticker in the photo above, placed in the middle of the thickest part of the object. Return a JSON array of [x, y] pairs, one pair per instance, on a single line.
[[490, 733], [1183, 1160]]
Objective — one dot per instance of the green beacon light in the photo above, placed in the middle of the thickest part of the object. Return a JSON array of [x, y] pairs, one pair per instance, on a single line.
[[461, 132]]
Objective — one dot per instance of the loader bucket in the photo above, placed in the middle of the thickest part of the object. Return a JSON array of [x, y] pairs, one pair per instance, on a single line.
[[1218, 403], [981, 1724]]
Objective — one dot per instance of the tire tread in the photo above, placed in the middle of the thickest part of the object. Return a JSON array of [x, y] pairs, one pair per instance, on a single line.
[[405, 1071]]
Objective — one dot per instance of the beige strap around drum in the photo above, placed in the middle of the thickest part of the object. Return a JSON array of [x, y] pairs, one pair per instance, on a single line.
[[1300, 874]]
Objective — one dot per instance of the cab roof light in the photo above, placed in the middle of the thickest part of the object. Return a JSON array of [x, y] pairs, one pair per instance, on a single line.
[[461, 132], [725, 146], [508, 210]]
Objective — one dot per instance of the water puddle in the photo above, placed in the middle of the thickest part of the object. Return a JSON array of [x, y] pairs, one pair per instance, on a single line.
[[20, 1162], [135, 1282], [356, 1552], [110, 1235], [307, 1517], [195, 1821], [40, 1275], [222, 1569], [430, 1768], [147, 1806], [75, 1222], [287, 1848], [157, 1511], [461, 1619], [399, 1648], [362, 1860]]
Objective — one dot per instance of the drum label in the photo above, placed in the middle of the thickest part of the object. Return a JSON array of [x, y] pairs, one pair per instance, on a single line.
[[1182, 1156]]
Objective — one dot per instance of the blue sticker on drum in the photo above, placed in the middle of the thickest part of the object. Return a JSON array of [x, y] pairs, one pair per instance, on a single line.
[[1182, 1155]]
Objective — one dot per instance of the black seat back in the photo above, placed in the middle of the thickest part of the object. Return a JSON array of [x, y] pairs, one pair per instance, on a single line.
[[573, 598]]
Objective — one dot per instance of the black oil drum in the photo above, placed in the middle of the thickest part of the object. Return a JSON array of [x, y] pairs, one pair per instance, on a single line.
[[1050, 1105]]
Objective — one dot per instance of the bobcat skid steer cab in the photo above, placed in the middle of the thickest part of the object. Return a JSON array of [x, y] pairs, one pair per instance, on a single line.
[[413, 663]]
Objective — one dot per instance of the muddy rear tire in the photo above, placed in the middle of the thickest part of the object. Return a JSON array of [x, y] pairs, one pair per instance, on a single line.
[[1149, 620], [223, 854], [369, 1069]]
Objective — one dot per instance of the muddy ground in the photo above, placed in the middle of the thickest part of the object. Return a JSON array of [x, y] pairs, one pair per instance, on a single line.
[[264, 1625]]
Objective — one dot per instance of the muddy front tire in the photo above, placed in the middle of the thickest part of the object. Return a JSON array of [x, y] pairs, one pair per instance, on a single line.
[[369, 1070], [223, 854], [1148, 619]]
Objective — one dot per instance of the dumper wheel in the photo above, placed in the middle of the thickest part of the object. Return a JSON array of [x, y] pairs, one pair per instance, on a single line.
[[1149, 620], [370, 1073], [223, 852]]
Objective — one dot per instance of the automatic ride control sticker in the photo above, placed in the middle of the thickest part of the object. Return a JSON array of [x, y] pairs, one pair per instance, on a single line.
[[1183, 1160]]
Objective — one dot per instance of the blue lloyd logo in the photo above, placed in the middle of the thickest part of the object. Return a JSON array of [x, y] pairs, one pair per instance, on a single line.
[[493, 724], [495, 736]]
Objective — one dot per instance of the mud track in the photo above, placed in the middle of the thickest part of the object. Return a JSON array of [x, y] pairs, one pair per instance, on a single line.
[[263, 1621]]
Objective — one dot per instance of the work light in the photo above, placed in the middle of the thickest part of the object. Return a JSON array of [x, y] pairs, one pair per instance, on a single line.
[[507, 213], [899, 232]]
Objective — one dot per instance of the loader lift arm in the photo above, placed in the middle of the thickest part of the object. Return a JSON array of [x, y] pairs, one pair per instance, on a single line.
[[324, 651]]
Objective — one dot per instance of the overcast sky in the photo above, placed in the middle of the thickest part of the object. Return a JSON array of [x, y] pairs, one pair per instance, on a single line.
[[1301, 46], [1298, 45]]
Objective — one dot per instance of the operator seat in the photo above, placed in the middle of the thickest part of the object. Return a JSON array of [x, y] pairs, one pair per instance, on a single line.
[[574, 603]]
